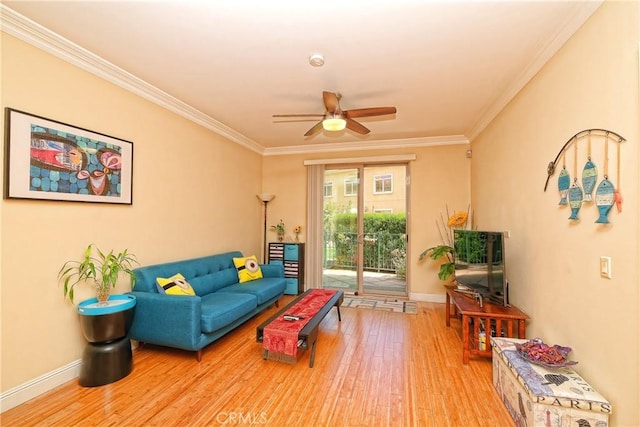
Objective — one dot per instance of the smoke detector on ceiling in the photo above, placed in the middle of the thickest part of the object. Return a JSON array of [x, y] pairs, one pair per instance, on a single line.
[[316, 60]]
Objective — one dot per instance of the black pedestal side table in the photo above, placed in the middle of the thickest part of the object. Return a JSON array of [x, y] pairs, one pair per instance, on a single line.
[[107, 356]]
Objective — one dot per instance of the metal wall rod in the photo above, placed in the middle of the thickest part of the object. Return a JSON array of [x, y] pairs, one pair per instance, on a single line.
[[551, 168]]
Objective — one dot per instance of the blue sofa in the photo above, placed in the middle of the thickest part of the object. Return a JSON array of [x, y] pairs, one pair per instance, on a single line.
[[220, 303]]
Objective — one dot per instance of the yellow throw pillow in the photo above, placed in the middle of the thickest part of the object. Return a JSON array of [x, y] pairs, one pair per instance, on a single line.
[[248, 268], [174, 285]]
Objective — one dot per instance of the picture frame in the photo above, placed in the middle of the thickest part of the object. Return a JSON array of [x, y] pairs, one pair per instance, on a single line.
[[46, 159]]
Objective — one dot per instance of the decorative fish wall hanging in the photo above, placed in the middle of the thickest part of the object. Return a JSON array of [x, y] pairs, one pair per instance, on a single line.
[[575, 199], [589, 174], [575, 192], [589, 178], [604, 200], [564, 182], [572, 193]]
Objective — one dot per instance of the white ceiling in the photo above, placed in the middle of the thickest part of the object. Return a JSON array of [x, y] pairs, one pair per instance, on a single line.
[[448, 66]]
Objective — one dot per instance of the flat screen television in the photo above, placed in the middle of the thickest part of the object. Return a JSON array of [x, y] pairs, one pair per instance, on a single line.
[[480, 265]]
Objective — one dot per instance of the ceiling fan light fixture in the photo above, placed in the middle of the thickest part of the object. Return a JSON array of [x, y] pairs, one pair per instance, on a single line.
[[334, 123]]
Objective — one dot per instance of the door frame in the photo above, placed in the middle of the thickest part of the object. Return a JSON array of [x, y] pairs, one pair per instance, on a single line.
[[360, 168]]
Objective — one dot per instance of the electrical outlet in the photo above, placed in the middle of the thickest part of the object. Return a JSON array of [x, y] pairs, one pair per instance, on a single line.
[[605, 266]]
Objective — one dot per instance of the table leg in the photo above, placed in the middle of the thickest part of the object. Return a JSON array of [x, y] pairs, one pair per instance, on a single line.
[[465, 339], [339, 318], [313, 354], [521, 329], [447, 313]]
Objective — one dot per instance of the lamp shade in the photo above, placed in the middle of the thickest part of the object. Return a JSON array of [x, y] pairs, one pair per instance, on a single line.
[[265, 197]]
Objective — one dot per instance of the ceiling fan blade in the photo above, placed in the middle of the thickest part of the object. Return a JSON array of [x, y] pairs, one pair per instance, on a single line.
[[368, 112], [294, 120], [356, 127], [331, 101], [298, 115], [314, 129]]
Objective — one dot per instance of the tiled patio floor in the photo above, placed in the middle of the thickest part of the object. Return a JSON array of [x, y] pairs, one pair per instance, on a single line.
[[374, 283]]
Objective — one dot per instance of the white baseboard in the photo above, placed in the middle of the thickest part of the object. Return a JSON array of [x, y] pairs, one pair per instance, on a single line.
[[437, 298], [37, 386]]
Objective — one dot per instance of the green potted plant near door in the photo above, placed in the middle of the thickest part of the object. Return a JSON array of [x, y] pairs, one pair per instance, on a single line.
[[103, 269]]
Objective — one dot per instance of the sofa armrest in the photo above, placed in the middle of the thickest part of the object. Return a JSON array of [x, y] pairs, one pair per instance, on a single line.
[[272, 270], [168, 320]]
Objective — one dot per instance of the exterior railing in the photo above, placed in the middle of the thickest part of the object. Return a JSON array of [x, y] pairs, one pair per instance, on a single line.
[[383, 252]]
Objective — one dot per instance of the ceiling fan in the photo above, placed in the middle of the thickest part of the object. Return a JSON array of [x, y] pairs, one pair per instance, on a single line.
[[336, 119]]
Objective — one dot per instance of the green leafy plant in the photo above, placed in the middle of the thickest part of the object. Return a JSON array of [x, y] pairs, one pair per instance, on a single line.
[[456, 220], [102, 269], [436, 252], [278, 228], [399, 260]]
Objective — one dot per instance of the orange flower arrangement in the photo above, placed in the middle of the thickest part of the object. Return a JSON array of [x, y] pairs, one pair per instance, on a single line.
[[457, 220], [446, 249]]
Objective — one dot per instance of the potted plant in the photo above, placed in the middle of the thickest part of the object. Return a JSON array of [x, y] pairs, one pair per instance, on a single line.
[[446, 249], [436, 252], [279, 229], [103, 269]]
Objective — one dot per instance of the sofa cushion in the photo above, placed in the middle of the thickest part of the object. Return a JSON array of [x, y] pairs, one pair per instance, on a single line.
[[174, 285], [264, 289], [248, 268], [211, 282], [204, 269], [220, 309]]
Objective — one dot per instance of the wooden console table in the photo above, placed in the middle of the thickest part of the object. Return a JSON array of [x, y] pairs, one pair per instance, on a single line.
[[508, 322]]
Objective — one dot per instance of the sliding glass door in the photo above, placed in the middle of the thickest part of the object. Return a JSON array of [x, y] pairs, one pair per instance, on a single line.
[[364, 229]]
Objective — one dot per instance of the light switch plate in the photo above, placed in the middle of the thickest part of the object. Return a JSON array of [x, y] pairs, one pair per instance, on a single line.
[[605, 266]]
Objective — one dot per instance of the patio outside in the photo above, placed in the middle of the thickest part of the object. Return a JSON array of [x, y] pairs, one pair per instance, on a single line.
[[374, 282]]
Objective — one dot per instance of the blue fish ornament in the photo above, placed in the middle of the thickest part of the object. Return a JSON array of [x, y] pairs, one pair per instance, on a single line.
[[575, 200], [604, 200], [589, 178], [564, 181]]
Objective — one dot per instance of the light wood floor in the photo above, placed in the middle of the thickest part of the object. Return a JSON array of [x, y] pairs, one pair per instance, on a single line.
[[372, 369]]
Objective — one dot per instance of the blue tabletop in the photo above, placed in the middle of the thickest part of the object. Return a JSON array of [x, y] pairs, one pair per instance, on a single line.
[[114, 304]]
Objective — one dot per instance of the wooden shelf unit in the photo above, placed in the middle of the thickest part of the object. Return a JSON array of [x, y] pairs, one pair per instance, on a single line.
[[291, 256]]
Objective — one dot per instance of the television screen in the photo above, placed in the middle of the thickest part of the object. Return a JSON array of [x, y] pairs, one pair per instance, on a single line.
[[479, 263]]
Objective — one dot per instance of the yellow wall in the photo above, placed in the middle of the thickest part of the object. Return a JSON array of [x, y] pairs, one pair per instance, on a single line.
[[552, 263], [193, 194], [439, 177]]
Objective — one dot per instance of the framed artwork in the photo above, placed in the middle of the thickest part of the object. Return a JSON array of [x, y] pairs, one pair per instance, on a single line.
[[50, 160]]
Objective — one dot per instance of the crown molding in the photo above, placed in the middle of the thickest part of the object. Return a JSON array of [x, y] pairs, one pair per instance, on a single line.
[[394, 158], [36, 35], [564, 33], [367, 145]]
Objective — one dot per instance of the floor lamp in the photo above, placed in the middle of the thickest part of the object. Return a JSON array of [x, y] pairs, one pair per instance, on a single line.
[[265, 198]]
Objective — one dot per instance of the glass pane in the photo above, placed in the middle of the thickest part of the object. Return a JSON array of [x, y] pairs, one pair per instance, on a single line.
[[372, 259], [385, 228], [340, 237]]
